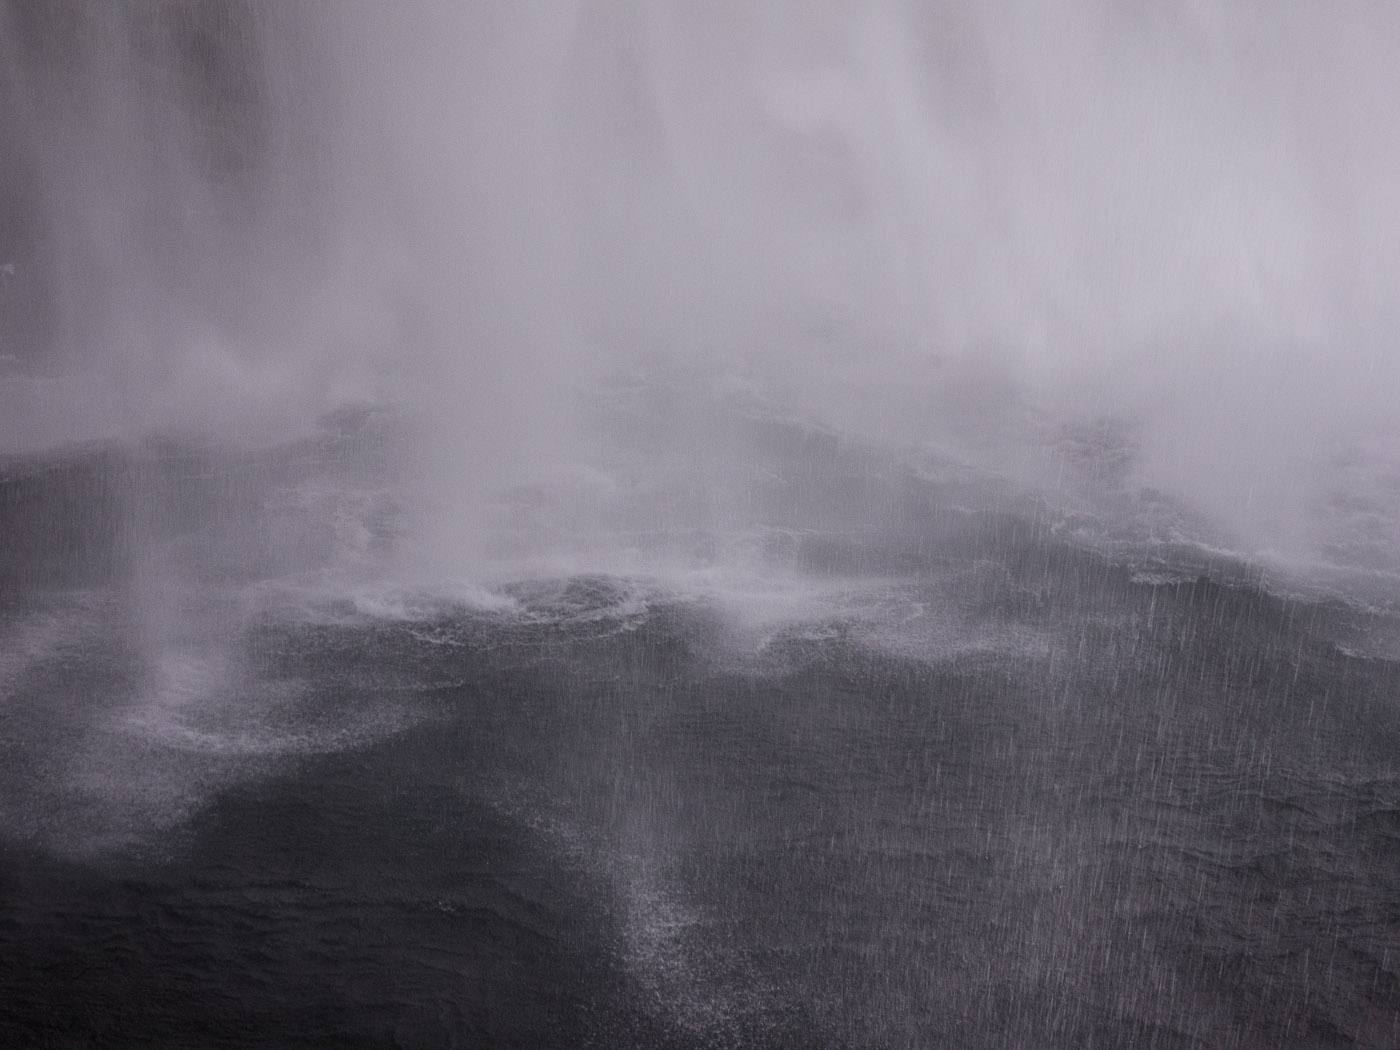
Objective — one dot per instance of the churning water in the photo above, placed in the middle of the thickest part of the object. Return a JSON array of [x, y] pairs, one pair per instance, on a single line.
[[636, 523]]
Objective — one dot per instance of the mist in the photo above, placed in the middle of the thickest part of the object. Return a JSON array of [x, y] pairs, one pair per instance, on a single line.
[[698, 523], [952, 227]]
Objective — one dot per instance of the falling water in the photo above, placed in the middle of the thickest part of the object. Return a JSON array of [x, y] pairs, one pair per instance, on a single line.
[[227, 220], [823, 523]]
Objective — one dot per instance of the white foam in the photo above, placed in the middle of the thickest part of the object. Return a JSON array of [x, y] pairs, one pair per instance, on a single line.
[[30, 639], [680, 972]]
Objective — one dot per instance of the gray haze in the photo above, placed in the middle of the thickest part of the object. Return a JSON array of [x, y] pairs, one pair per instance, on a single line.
[[954, 225]]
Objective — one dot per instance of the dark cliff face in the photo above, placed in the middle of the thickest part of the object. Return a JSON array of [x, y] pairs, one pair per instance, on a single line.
[[158, 152], [204, 65]]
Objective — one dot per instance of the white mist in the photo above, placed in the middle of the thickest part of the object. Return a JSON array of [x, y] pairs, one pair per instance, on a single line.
[[904, 220]]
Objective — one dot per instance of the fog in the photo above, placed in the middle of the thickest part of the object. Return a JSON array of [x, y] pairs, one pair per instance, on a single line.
[[948, 226]]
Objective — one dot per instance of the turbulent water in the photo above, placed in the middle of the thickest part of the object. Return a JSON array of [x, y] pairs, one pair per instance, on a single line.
[[958, 769], [857, 524]]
